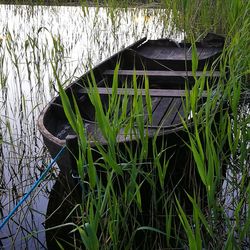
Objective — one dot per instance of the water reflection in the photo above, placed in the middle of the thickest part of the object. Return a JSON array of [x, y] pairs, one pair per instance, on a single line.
[[62, 210], [31, 39]]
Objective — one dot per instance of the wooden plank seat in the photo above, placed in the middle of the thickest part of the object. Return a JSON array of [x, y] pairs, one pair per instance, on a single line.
[[152, 92], [162, 73]]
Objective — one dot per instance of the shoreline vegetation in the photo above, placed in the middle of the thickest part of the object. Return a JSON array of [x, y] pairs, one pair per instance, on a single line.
[[42, 2], [137, 3]]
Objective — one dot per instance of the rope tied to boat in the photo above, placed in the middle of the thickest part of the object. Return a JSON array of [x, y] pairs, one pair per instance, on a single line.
[[35, 184]]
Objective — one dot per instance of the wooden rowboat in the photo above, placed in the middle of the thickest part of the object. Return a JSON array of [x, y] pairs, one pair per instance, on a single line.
[[168, 66]]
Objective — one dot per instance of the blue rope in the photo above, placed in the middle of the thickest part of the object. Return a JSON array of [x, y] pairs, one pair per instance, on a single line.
[[32, 188]]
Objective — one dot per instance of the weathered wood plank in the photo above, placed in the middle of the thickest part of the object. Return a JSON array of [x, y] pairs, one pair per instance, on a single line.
[[209, 52], [171, 113], [160, 110], [152, 92], [155, 102], [162, 73], [175, 53], [180, 113], [181, 54]]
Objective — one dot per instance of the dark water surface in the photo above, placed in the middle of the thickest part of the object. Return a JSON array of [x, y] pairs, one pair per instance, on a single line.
[[31, 38]]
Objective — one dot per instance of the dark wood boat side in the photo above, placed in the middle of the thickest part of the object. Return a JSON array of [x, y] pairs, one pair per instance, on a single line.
[[177, 53], [171, 55], [166, 49]]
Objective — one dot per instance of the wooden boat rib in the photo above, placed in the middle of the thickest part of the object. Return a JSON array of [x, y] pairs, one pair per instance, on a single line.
[[168, 66]]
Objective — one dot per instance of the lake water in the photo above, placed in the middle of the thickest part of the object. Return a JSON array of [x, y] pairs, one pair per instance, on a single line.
[[31, 39]]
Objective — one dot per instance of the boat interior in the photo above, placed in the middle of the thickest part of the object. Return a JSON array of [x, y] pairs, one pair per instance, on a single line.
[[166, 66]]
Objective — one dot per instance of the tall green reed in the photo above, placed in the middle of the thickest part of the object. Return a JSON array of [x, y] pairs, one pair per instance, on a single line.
[[218, 134], [119, 184], [215, 136]]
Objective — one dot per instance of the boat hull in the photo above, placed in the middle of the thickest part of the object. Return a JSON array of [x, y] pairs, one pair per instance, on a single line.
[[164, 63]]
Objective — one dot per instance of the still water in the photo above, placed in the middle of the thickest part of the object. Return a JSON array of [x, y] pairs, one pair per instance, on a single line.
[[31, 39]]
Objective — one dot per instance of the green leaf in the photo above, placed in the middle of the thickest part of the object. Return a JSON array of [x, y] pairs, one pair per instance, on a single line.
[[186, 226], [66, 103], [91, 169], [199, 162], [148, 100]]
